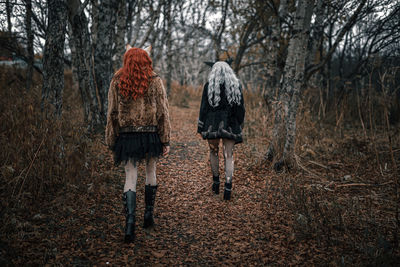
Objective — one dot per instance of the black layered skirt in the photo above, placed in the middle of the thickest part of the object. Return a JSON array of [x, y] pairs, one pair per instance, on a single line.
[[220, 124], [136, 147]]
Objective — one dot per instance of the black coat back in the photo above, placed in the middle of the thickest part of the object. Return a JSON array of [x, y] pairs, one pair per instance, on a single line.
[[222, 121]]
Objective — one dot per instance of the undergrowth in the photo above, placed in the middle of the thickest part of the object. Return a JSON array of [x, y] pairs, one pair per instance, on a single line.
[[344, 196], [39, 156]]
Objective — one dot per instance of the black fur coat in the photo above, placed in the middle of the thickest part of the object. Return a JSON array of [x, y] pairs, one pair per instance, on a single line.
[[223, 121]]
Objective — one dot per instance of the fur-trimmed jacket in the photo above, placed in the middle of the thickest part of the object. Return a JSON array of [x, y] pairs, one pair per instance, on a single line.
[[223, 121], [148, 113]]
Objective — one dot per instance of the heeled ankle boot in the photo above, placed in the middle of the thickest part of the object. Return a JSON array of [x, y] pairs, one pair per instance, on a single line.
[[227, 191], [215, 185], [129, 199], [149, 197]]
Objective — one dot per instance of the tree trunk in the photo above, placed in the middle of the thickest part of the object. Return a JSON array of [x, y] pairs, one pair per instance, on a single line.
[[103, 52], [120, 35], [29, 35], [131, 4], [53, 58], [95, 15], [76, 77], [317, 33], [272, 91], [80, 41], [169, 45], [293, 81], [138, 23], [9, 14], [314, 54], [221, 29]]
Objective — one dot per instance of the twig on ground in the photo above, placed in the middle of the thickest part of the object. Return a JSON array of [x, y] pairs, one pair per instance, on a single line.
[[318, 164], [362, 184]]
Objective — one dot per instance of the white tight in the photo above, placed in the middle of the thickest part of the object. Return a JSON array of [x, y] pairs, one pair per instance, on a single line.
[[228, 145], [132, 174]]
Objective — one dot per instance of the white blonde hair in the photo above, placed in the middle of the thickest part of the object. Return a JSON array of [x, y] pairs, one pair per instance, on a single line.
[[222, 73]]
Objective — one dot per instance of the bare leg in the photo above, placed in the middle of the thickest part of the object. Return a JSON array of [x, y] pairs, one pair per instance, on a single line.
[[131, 176], [228, 156], [151, 166], [214, 148], [214, 162]]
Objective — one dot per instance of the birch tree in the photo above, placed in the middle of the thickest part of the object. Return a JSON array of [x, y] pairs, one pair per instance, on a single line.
[[293, 81], [53, 57]]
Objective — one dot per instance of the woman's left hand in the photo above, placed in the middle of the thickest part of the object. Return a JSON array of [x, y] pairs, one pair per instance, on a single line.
[[166, 151]]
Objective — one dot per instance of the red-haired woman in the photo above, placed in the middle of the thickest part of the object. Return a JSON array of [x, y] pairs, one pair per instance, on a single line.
[[138, 129]]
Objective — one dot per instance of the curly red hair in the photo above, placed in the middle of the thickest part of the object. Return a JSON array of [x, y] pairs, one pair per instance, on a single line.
[[135, 75]]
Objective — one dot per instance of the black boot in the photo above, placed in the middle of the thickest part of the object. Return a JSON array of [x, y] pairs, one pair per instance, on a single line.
[[215, 185], [130, 208], [149, 197], [227, 191]]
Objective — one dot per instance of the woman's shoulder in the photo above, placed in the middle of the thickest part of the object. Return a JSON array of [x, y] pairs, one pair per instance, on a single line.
[[155, 78], [115, 80], [154, 75], [156, 83]]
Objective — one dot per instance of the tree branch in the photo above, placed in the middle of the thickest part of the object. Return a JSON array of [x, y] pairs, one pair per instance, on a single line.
[[314, 68]]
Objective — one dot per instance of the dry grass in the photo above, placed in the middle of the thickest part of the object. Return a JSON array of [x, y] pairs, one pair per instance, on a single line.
[[180, 96], [344, 196], [39, 155]]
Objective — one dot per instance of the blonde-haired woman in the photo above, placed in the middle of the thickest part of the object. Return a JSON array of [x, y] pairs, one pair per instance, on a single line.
[[221, 117]]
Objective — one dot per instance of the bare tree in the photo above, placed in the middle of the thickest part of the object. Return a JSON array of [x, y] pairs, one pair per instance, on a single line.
[[349, 24], [168, 20], [155, 15], [131, 8], [53, 58], [120, 34], [80, 40], [103, 52], [295, 78], [217, 37], [9, 7], [29, 36], [292, 82]]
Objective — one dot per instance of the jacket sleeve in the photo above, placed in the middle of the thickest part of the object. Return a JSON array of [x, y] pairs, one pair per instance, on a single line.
[[163, 122], [240, 109], [203, 109], [112, 126]]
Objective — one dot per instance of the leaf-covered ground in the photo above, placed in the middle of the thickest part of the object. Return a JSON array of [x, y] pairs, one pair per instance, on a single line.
[[83, 224]]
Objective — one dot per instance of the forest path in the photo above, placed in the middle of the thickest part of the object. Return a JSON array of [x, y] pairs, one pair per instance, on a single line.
[[193, 225], [84, 225]]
